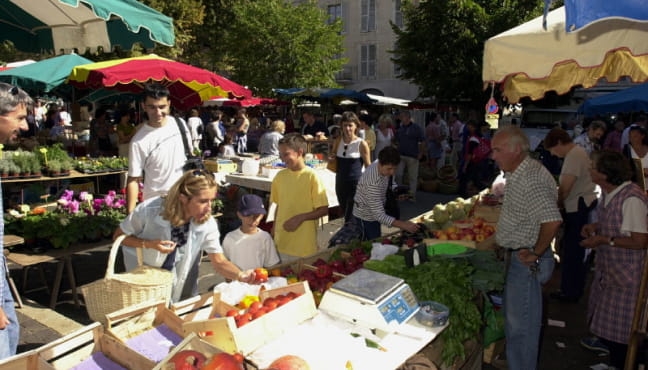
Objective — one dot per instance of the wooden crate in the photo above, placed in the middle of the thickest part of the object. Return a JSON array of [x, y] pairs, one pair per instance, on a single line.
[[486, 245], [324, 254], [253, 335], [193, 342], [25, 360], [195, 308], [493, 350], [74, 348], [135, 320], [488, 213]]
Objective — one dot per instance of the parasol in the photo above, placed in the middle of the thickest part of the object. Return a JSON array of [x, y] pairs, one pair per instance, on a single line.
[[330, 94], [54, 25], [45, 75], [189, 86], [248, 102], [634, 99], [581, 13], [529, 61]]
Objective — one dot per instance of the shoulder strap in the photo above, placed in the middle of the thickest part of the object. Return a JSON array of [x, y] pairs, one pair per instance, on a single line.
[[184, 137]]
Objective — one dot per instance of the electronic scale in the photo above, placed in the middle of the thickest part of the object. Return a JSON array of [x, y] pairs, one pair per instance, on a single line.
[[371, 299]]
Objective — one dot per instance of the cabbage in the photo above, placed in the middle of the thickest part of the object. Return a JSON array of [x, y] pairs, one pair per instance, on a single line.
[[441, 216], [457, 214]]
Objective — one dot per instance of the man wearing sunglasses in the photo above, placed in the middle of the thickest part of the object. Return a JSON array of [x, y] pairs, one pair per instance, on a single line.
[[13, 118]]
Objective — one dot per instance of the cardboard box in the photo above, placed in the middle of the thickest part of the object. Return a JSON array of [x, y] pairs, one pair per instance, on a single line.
[[226, 336], [221, 165]]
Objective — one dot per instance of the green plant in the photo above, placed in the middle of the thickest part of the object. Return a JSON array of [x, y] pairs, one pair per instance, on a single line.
[[35, 164], [54, 165], [13, 168], [66, 165], [4, 166]]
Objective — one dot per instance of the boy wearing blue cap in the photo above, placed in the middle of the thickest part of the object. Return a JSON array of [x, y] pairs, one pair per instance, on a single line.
[[249, 247]]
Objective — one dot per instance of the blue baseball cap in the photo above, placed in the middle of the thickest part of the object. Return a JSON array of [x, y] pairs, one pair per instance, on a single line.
[[251, 204]]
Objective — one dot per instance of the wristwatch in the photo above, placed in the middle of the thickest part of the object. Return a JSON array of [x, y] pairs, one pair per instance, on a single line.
[[611, 241]]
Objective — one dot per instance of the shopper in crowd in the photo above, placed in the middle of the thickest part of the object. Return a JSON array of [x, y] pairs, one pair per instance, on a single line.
[[576, 195], [384, 132], [351, 154], [474, 168], [528, 223], [174, 230], [613, 138], [619, 238], [637, 148], [214, 132], [642, 120], [14, 103], [242, 124], [370, 196], [52, 118], [410, 141], [301, 200], [589, 139], [157, 153], [226, 148], [100, 128], [369, 134], [434, 139], [313, 128], [248, 246], [125, 130], [269, 143], [196, 127], [456, 128]]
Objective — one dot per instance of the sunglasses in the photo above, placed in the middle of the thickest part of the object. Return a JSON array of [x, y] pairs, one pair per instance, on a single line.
[[14, 90], [203, 173], [345, 149]]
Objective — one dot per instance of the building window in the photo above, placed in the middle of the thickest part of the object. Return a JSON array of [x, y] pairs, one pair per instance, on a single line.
[[368, 15], [368, 61], [334, 12], [398, 14]]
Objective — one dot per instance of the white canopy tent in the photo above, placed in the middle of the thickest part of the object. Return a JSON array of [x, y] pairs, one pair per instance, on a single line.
[[529, 60]]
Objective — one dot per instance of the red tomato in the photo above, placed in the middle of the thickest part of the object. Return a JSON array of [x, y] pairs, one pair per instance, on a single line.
[[292, 295], [261, 274], [254, 307], [231, 313], [270, 305], [259, 313]]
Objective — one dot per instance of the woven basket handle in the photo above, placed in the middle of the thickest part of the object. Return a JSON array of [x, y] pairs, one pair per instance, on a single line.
[[110, 270]]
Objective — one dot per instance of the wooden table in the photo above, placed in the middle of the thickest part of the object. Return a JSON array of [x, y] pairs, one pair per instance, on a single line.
[[63, 257]]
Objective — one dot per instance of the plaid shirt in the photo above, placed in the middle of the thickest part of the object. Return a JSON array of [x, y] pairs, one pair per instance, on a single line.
[[617, 277], [530, 199]]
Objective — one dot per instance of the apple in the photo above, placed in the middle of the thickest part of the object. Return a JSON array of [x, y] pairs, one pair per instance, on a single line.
[[453, 236], [480, 238]]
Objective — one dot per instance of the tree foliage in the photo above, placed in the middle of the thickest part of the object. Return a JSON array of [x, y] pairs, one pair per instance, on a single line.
[[266, 44], [441, 46]]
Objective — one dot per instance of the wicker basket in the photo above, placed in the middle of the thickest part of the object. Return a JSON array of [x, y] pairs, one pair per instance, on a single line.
[[430, 186], [117, 291], [449, 188], [447, 173]]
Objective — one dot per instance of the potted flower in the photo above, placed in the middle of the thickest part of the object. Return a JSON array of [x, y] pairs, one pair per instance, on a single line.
[[14, 170], [4, 169], [66, 166], [35, 166], [54, 166]]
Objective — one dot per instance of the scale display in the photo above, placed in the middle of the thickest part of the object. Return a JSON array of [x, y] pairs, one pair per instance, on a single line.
[[400, 306]]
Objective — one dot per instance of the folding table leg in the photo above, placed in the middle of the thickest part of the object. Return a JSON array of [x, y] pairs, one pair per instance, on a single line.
[[14, 291], [57, 283], [68, 265]]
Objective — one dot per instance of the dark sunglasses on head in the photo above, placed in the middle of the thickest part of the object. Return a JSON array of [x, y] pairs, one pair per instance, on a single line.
[[345, 149]]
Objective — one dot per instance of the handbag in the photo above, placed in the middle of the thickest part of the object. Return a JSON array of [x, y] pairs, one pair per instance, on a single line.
[[332, 163]]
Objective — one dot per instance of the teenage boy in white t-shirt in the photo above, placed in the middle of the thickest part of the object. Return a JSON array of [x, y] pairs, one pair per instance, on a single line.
[[249, 247]]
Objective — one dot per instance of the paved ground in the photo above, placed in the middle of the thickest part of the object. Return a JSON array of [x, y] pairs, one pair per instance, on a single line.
[[41, 325]]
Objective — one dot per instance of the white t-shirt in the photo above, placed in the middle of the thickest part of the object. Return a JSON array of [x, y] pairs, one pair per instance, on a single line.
[[249, 251], [158, 155], [634, 212], [194, 124], [66, 118]]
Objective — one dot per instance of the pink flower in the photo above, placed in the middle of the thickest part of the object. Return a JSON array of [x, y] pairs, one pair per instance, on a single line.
[[67, 195], [73, 206], [97, 204], [119, 203], [85, 196]]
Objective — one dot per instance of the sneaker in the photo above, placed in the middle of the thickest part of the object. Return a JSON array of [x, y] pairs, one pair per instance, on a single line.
[[594, 344]]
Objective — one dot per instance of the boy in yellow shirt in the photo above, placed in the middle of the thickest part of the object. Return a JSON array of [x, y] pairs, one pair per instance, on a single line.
[[301, 200]]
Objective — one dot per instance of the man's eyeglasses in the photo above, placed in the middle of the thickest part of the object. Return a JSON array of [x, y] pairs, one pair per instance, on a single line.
[[345, 149]]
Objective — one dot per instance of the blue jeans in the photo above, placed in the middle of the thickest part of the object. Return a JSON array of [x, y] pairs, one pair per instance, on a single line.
[[523, 310], [9, 336], [370, 229]]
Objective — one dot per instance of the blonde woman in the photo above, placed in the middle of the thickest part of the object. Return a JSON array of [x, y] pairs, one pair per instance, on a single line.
[[174, 230], [352, 154], [384, 132]]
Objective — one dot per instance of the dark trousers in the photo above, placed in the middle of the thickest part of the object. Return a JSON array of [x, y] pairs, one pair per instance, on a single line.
[[572, 255], [345, 191], [617, 353], [475, 172]]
